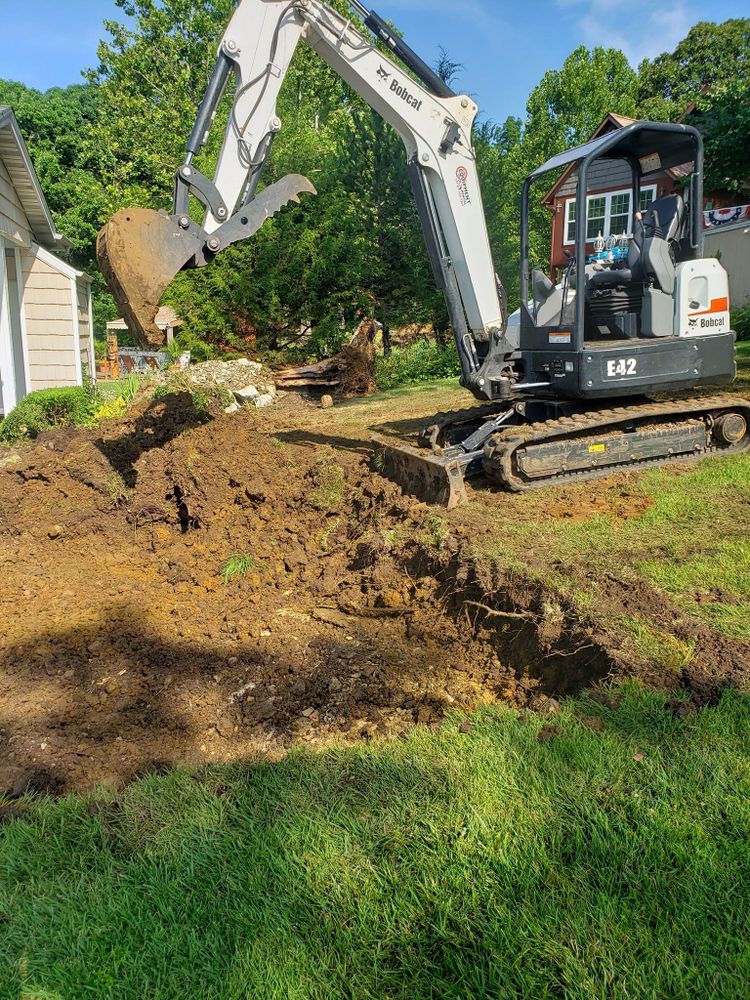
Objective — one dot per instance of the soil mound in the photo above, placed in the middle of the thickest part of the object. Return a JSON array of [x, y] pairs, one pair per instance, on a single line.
[[181, 587]]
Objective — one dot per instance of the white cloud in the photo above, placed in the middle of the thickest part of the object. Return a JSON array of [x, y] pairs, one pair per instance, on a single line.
[[642, 30]]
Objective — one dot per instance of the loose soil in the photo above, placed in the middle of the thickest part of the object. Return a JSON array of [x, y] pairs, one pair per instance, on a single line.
[[126, 648]]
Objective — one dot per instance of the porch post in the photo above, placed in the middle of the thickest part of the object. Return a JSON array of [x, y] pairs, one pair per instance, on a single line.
[[7, 370]]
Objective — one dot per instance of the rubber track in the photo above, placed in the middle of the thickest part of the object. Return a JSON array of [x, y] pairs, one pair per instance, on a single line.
[[501, 448]]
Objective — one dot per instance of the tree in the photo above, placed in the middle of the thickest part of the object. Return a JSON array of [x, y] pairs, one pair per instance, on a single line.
[[709, 55], [562, 111], [725, 121], [58, 127]]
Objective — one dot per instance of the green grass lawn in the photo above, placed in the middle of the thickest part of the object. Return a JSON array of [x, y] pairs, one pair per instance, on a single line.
[[590, 863]]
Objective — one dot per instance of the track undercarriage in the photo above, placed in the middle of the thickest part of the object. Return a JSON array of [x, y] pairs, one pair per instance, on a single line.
[[532, 443]]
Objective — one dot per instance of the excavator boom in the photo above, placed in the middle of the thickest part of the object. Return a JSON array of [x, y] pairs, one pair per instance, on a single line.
[[140, 251]]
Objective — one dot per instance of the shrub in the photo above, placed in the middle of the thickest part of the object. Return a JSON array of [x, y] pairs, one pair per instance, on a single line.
[[422, 361], [741, 322], [110, 409], [42, 411]]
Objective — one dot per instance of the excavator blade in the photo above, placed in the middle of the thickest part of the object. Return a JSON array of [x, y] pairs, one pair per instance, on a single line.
[[434, 479], [140, 252]]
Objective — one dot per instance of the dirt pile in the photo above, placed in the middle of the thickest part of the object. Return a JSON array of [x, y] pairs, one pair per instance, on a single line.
[[176, 589], [130, 644]]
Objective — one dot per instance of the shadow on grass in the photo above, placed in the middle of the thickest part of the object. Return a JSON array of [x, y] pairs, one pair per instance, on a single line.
[[487, 863]]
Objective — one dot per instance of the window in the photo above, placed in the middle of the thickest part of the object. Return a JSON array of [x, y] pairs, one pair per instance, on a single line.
[[570, 221], [596, 217], [608, 214], [647, 196], [619, 214]]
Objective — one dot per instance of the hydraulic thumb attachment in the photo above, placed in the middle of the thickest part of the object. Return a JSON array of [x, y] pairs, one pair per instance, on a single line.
[[140, 251]]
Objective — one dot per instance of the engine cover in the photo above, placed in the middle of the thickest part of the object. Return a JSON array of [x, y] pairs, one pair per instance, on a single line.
[[702, 299]]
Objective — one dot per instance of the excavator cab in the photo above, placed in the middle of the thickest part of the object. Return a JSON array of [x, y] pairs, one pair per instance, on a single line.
[[637, 311]]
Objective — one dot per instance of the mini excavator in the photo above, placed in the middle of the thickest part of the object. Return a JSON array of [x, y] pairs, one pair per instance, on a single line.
[[593, 374]]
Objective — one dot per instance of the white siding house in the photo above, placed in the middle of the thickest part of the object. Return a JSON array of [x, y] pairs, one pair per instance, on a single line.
[[46, 331]]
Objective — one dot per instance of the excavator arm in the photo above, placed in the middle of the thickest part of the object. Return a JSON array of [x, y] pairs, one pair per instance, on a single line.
[[140, 251]]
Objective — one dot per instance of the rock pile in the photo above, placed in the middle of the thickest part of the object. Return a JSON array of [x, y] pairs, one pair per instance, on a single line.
[[250, 383]]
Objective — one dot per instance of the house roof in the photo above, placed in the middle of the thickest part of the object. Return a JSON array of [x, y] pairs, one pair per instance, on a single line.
[[15, 156], [609, 123], [165, 317]]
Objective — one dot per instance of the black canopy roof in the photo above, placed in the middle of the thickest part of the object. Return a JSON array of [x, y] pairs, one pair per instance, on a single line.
[[674, 144]]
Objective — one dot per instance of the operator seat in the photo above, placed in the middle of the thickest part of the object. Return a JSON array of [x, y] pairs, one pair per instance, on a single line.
[[663, 228], [663, 220], [636, 299]]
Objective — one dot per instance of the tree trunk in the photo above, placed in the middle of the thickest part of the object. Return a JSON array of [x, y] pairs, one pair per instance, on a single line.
[[387, 342]]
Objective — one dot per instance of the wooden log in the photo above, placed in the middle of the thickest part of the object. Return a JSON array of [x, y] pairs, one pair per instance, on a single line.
[[351, 372]]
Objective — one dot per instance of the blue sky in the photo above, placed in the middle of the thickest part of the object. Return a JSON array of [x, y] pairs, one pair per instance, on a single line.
[[505, 46]]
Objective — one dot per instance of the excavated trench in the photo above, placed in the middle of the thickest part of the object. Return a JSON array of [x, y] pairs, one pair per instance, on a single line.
[[176, 595]]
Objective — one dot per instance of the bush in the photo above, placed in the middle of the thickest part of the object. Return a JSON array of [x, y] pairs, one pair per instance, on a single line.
[[422, 361], [41, 411], [741, 322]]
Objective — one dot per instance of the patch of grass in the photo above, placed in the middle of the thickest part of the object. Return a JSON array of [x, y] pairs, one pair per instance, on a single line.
[[451, 864], [328, 532], [202, 397], [436, 531], [117, 489], [655, 646], [713, 584], [692, 538], [422, 361], [238, 566], [329, 492]]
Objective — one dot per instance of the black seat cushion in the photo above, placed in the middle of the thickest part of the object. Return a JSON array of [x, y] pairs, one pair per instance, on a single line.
[[611, 278]]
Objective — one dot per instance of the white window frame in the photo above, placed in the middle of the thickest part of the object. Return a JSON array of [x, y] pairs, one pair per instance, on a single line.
[[608, 196]]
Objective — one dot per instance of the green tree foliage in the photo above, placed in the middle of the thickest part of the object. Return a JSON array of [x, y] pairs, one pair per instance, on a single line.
[[59, 128], [562, 111], [725, 119], [709, 55], [55, 126]]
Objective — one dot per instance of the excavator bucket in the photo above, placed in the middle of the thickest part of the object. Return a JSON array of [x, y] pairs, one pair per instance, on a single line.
[[141, 251]]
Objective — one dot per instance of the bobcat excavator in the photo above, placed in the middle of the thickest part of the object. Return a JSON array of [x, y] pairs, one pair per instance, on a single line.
[[591, 375]]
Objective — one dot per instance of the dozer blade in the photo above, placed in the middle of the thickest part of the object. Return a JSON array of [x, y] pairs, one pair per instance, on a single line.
[[140, 252], [435, 479]]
